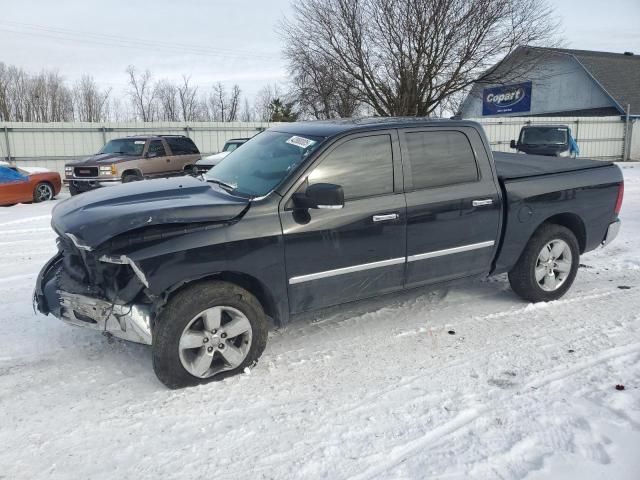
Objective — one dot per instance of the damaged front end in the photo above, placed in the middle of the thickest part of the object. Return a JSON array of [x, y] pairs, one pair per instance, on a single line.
[[94, 290], [96, 280]]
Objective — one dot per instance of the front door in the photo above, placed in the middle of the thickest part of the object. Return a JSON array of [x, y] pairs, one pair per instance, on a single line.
[[335, 256], [453, 205]]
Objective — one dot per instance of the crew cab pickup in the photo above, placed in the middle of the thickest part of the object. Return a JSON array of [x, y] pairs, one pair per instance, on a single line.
[[310, 215]]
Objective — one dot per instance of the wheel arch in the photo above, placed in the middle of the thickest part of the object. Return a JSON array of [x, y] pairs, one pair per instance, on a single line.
[[242, 280], [132, 171], [574, 223]]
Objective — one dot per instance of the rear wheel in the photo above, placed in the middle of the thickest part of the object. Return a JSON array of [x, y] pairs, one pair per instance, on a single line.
[[548, 266], [208, 331], [42, 192]]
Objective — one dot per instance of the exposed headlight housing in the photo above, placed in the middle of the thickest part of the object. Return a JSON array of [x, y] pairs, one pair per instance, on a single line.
[[108, 169]]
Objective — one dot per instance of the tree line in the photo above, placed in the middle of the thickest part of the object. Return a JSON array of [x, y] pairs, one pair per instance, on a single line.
[[47, 97]]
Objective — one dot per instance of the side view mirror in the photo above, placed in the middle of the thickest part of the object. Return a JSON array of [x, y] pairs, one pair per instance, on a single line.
[[513, 144], [320, 196], [152, 154]]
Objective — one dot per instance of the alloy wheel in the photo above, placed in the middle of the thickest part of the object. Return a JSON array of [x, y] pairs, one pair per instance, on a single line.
[[553, 265], [44, 192], [215, 340]]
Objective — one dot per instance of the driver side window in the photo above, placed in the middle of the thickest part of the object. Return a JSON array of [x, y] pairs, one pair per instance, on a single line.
[[362, 166]]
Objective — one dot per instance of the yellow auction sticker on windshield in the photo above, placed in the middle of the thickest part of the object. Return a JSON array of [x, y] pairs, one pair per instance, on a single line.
[[301, 142]]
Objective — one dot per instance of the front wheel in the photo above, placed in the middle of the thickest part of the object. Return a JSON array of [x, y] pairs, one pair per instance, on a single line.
[[548, 266], [208, 331], [131, 177]]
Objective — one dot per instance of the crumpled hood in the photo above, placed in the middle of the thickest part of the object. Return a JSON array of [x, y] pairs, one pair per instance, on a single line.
[[102, 158], [99, 215]]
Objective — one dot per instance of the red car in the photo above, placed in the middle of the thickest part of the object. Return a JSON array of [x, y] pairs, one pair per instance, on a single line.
[[20, 185]]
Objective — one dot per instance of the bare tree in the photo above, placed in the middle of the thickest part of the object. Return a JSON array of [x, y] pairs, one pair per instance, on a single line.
[[320, 91], [234, 102], [188, 100], [166, 94], [264, 101], [406, 57], [246, 115], [5, 93], [90, 103], [223, 106], [142, 94]]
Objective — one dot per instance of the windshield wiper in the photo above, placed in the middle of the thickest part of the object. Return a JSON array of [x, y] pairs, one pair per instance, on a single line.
[[226, 186]]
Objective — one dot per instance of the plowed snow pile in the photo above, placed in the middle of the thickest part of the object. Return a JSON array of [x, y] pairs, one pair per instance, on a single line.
[[379, 390]]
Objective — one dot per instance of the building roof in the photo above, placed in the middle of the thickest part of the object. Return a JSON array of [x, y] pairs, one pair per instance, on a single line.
[[617, 73]]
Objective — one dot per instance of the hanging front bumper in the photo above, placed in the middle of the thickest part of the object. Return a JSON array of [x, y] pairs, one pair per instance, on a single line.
[[130, 322]]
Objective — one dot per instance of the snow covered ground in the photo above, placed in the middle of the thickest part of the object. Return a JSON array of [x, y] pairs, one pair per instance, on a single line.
[[379, 390]]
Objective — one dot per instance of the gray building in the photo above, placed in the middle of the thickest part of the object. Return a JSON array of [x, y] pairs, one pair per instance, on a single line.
[[558, 82]]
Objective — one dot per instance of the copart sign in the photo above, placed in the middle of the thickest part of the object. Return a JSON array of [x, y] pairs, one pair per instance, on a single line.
[[506, 99]]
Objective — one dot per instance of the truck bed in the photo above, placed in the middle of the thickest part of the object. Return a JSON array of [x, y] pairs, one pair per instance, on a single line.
[[511, 166]]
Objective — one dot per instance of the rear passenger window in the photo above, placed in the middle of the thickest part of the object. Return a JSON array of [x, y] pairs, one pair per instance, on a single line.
[[362, 166], [156, 148], [440, 158], [182, 146]]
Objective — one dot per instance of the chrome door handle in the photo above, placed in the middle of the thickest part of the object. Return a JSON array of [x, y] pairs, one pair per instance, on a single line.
[[482, 203], [385, 217]]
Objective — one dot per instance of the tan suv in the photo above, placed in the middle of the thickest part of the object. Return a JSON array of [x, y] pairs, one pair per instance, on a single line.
[[131, 159]]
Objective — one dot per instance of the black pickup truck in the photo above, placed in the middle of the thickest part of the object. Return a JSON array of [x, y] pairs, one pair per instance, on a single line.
[[310, 215]]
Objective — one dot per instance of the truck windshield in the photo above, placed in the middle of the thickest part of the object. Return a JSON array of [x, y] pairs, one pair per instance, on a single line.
[[544, 136], [230, 146], [124, 146], [263, 162]]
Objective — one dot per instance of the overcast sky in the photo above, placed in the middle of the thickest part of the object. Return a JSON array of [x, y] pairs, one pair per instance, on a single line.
[[229, 41]]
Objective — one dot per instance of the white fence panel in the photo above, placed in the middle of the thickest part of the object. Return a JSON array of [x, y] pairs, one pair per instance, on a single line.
[[50, 145], [597, 137]]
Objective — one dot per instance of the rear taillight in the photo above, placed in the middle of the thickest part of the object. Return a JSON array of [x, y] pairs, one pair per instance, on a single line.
[[619, 199]]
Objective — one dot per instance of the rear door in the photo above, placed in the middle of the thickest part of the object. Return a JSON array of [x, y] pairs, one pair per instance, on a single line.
[[335, 256], [453, 204], [184, 152]]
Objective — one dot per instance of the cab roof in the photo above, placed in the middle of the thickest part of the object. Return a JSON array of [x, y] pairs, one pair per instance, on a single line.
[[330, 128]]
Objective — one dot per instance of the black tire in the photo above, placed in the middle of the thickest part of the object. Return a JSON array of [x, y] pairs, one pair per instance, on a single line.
[[522, 276], [131, 177], [39, 195], [182, 308], [73, 190]]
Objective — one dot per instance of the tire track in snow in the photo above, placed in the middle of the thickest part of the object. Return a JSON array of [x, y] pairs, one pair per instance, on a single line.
[[595, 360], [26, 231], [402, 452], [18, 277], [25, 220]]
